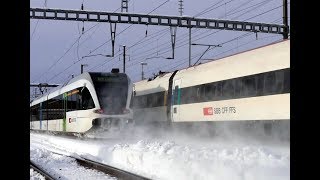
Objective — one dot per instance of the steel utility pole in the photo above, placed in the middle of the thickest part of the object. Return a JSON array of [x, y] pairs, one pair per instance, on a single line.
[[124, 59], [82, 65], [142, 73], [190, 47], [180, 7], [285, 19], [124, 5]]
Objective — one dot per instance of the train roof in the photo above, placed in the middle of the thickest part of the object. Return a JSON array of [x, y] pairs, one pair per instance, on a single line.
[[84, 76], [214, 61]]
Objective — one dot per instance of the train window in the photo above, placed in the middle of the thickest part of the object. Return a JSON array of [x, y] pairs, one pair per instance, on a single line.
[[176, 95], [159, 99], [218, 91], [237, 87], [201, 93], [184, 95], [192, 94], [273, 82], [249, 86], [143, 101], [286, 81], [135, 102], [208, 92], [259, 84], [150, 100], [279, 81], [228, 89], [34, 112]]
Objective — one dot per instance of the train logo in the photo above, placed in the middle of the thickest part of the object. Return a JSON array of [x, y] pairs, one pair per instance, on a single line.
[[207, 111], [72, 120]]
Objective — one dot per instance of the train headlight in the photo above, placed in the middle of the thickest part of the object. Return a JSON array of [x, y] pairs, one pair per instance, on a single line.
[[98, 111], [126, 111]]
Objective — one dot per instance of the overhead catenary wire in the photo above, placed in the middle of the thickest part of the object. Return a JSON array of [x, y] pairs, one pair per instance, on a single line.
[[91, 51], [34, 30], [253, 7], [183, 60], [252, 17], [150, 39], [187, 33], [236, 38], [199, 38], [77, 39], [110, 39]]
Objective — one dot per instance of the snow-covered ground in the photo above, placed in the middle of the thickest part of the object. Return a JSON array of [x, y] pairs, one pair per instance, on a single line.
[[61, 167], [34, 175], [173, 158]]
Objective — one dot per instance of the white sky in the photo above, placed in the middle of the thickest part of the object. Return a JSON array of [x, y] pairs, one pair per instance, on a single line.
[[50, 39]]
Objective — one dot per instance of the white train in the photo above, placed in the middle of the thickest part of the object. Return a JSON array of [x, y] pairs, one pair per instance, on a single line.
[[87, 102], [252, 86]]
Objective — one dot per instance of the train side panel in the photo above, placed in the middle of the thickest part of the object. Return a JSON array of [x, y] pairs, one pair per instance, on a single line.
[[255, 108]]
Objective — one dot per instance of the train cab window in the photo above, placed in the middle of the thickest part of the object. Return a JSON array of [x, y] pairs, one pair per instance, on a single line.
[[87, 101]]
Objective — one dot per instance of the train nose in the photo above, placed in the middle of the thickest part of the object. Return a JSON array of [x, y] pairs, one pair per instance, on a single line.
[[106, 122], [111, 123]]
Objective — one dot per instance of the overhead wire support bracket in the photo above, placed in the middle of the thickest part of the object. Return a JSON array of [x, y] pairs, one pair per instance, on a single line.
[[173, 31], [113, 27], [178, 21], [124, 5], [209, 46]]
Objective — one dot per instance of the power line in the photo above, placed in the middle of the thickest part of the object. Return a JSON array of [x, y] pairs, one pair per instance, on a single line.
[[183, 59], [126, 28], [184, 40], [252, 6], [109, 40], [34, 30], [77, 39], [199, 14], [265, 12], [205, 35]]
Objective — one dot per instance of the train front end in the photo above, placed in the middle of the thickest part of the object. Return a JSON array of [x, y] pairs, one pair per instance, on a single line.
[[114, 91]]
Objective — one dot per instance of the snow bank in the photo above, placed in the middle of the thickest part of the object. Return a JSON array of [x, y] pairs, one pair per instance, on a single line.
[[34, 175], [63, 167], [181, 159]]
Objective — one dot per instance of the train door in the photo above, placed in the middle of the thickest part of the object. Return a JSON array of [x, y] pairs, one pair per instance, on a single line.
[[40, 116], [65, 105], [175, 100]]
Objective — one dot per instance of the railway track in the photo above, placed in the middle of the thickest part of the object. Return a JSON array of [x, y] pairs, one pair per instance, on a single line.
[[41, 171], [110, 170], [120, 174]]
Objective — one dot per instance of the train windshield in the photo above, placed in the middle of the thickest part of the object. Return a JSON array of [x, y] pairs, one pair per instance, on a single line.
[[112, 91]]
